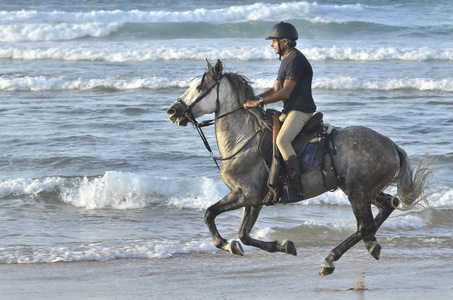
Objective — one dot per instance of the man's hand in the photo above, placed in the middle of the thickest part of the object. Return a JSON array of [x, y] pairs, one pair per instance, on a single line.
[[252, 103]]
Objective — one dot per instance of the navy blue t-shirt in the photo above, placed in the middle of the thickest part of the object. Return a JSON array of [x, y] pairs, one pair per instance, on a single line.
[[296, 66]]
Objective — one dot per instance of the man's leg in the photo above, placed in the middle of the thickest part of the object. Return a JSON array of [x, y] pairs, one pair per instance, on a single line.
[[291, 127]]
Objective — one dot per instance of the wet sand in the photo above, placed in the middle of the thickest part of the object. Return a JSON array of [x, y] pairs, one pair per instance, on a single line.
[[258, 275]]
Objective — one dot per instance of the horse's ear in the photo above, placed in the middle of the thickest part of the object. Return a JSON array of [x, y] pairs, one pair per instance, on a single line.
[[218, 68], [209, 64]]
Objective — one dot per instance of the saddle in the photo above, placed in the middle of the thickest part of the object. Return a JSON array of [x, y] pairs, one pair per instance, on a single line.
[[310, 132]]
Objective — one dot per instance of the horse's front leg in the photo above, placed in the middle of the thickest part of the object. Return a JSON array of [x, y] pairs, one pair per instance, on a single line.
[[249, 217], [231, 201]]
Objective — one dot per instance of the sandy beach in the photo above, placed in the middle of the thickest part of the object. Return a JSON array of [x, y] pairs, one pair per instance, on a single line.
[[257, 275]]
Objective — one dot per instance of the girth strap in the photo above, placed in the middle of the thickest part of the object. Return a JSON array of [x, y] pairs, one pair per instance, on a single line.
[[327, 146]]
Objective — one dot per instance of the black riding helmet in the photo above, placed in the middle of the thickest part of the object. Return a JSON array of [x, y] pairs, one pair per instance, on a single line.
[[283, 30]]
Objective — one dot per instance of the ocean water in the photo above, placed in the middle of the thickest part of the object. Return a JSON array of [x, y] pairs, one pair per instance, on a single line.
[[92, 170]]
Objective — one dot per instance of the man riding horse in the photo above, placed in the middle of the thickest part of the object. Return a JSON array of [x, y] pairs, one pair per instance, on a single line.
[[366, 162], [293, 87]]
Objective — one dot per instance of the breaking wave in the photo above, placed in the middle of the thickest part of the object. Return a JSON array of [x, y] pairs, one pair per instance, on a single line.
[[46, 83], [33, 25], [224, 50], [123, 190]]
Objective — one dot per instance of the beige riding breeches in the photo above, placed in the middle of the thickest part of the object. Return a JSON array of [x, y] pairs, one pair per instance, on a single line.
[[292, 125]]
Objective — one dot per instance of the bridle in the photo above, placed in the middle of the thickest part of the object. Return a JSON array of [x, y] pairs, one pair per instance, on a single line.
[[188, 108], [189, 115]]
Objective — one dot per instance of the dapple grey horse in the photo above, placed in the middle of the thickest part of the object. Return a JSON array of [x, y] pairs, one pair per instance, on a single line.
[[366, 163]]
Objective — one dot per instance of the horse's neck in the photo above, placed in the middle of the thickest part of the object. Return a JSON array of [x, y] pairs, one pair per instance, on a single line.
[[233, 131]]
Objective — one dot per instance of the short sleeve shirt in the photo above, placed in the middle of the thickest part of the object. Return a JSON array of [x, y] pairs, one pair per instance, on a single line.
[[296, 66]]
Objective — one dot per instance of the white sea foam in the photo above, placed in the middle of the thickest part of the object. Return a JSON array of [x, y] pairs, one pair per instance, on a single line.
[[54, 32], [377, 53], [59, 25], [399, 222], [21, 186], [389, 84], [124, 190], [332, 198], [35, 25], [114, 189], [314, 12], [102, 251], [121, 190], [442, 198], [240, 13], [231, 49], [45, 83], [206, 193]]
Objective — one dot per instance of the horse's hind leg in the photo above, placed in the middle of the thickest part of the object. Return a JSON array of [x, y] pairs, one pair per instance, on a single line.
[[231, 201], [386, 207], [386, 204], [249, 216], [366, 228]]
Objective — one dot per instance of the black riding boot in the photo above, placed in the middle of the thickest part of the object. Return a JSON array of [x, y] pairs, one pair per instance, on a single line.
[[294, 176]]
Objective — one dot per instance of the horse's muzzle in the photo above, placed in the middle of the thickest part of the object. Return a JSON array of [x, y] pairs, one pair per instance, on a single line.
[[176, 114]]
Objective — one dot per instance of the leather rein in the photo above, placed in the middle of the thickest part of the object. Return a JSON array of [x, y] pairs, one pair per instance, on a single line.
[[189, 115]]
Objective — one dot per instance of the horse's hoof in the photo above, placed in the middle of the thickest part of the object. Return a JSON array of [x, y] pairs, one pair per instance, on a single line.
[[289, 247], [234, 247], [326, 271], [375, 251], [327, 268]]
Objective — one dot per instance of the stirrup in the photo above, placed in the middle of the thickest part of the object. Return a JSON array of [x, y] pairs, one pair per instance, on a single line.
[[271, 198], [299, 195], [289, 196]]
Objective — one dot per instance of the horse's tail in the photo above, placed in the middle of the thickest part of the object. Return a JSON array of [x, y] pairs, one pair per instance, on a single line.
[[412, 183]]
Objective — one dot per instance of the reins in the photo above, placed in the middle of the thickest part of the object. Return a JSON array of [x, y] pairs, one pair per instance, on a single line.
[[198, 126]]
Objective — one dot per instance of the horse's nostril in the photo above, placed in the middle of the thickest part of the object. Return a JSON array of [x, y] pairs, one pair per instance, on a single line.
[[176, 110], [171, 111]]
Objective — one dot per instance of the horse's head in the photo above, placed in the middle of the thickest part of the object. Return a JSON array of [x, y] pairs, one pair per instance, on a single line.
[[200, 99]]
